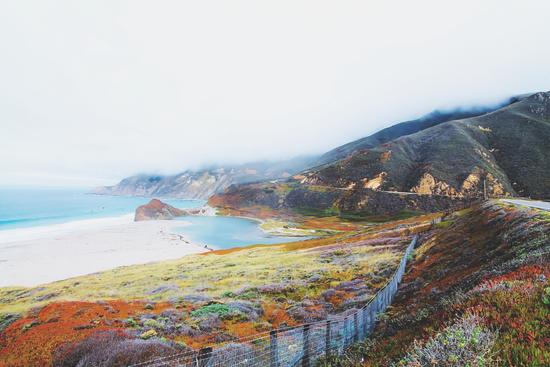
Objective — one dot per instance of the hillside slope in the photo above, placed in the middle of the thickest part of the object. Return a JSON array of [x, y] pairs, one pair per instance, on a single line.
[[406, 128], [507, 148], [504, 152], [201, 184], [486, 268]]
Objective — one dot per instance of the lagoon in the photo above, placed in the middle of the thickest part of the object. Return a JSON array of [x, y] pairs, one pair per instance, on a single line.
[[227, 232]]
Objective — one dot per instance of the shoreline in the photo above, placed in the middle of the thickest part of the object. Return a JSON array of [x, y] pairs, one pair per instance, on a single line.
[[278, 230], [32, 256]]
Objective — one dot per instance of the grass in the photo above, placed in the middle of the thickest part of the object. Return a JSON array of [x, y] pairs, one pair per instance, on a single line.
[[444, 224]]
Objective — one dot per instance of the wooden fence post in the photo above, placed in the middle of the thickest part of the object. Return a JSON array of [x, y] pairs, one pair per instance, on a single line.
[[204, 356], [327, 340], [305, 358], [274, 349], [349, 336], [364, 323], [355, 328]]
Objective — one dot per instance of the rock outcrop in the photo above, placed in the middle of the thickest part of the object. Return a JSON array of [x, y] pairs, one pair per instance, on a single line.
[[157, 210]]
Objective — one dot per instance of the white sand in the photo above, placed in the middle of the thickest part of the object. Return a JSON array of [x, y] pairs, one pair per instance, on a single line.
[[37, 255]]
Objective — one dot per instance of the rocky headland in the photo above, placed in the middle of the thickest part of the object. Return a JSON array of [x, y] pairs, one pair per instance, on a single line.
[[157, 210]]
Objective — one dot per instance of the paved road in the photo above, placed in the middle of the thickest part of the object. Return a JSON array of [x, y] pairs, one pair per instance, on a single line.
[[531, 203]]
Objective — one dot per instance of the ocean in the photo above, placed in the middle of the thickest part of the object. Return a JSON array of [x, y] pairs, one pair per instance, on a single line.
[[22, 208], [31, 207]]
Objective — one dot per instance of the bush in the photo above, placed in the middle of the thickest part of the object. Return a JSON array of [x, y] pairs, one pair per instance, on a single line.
[[465, 343], [152, 323], [546, 296], [148, 334], [216, 308], [7, 319], [130, 322], [112, 349]]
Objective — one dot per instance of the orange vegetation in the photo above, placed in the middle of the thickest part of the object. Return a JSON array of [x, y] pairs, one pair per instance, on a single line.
[[242, 329], [277, 315], [333, 223], [33, 339]]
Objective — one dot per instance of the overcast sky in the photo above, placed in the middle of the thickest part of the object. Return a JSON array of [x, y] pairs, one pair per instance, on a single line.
[[93, 91]]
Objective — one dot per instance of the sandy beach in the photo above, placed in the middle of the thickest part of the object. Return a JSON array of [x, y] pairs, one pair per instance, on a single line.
[[37, 255]]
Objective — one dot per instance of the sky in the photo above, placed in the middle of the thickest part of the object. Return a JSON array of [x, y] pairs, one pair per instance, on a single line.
[[94, 91]]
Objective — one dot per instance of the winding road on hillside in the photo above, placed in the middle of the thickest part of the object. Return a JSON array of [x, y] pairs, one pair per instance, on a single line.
[[530, 203]]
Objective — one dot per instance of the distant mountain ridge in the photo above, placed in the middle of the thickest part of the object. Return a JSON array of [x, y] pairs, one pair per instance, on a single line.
[[201, 184]]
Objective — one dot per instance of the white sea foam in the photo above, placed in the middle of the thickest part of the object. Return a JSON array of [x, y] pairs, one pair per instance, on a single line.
[[38, 232]]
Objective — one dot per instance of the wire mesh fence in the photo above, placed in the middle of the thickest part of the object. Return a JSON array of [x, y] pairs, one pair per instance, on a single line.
[[302, 345]]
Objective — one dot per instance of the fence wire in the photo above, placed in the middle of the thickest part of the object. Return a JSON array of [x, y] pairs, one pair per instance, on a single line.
[[302, 345]]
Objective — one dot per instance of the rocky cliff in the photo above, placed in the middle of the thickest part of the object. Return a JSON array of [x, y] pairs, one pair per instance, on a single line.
[[157, 210]]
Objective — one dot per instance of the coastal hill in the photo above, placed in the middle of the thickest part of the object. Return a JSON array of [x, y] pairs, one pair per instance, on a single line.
[[502, 153], [201, 184], [156, 209]]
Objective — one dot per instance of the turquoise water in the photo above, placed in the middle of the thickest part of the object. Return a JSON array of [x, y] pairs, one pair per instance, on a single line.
[[30, 207], [227, 232]]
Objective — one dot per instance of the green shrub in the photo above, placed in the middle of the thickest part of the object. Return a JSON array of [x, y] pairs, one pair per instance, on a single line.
[[30, 325], [464, 343], [131, 322], [153, 324], [546, 296], [148, 334], [7, 319], [444, 224], [216, 308], [411, 255]]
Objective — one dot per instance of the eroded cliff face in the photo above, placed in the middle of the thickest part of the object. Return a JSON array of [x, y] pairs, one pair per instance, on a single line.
[[473, 186], [429, 185], [188, 185]]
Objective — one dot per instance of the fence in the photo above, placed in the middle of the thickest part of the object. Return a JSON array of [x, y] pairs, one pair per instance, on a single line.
[[302, 345]]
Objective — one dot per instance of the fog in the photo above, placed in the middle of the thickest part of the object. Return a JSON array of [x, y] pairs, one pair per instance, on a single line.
[[91, 92]]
